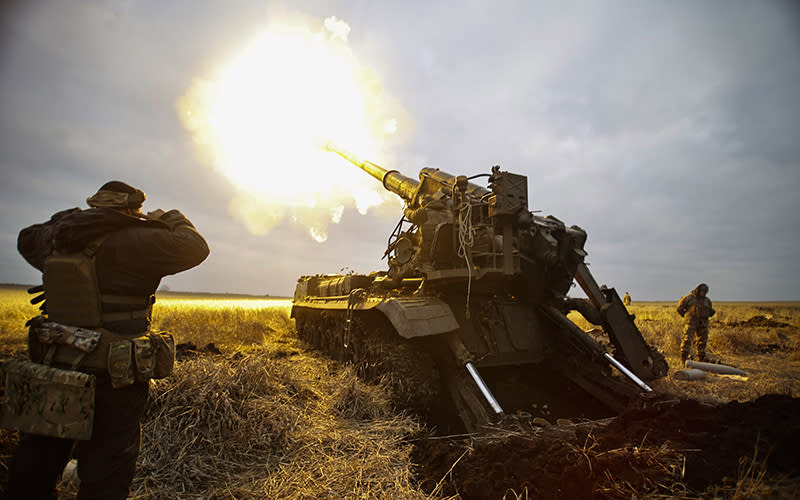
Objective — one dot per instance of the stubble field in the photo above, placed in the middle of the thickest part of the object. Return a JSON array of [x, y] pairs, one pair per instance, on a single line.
[[250, 413]]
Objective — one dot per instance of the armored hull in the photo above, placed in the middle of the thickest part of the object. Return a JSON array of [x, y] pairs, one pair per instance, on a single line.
[[470, 324], [533, 360]]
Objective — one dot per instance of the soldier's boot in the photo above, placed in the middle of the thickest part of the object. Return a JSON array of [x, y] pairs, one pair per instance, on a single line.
[[701, 356]]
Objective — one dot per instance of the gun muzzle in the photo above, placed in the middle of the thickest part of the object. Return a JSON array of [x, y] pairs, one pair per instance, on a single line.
[[392, 180]]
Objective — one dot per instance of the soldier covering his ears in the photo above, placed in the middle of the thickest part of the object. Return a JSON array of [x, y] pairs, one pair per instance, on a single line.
[[101, 267]]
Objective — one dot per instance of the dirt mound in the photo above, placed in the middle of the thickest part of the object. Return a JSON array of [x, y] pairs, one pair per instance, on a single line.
[[681, 443], [761, 321], [188, 350], [768, 347], [722, 435]]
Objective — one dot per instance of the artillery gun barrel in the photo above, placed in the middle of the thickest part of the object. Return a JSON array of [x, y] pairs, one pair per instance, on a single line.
[[392, 180]]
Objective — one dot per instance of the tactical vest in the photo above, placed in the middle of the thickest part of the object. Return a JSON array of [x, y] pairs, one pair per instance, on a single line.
[[73, 293], [76, 312]]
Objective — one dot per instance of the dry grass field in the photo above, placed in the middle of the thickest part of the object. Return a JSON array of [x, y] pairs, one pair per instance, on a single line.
[[761, 338], [251, 413], [254, 415]]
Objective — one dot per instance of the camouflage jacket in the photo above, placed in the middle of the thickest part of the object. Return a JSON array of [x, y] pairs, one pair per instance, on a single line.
[[134, 256], [695, 309]]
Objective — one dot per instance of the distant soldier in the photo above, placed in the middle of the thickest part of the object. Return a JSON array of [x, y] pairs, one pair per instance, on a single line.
[[626, 299], [695, 308], [100, 269]]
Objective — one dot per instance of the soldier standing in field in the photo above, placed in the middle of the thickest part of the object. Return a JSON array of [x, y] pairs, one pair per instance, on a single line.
[[100, 268], [695, 308], [626, 300]]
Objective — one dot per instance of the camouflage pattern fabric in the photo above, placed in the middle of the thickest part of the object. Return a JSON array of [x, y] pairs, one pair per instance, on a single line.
[[50, 332], [163, 354], [108, 199], [123, 358], [106, 462], [154, 355], [697, 334], [695, 308], [47, 401]]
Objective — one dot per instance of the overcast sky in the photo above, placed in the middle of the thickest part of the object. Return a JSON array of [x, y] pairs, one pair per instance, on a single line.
[[669, 131]]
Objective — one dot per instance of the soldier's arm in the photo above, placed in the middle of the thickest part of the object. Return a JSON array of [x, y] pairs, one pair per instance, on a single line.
[[683, 305], [711, 309], [179, 248], [155, 252]]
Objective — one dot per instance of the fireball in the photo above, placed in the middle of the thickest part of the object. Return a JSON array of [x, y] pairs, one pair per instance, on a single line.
[[266, 117]]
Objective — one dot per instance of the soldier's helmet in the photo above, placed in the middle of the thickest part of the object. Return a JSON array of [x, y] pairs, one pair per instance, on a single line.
[[702, 288]]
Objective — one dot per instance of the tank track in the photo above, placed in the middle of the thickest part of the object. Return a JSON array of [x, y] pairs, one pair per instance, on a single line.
[[377, 353]]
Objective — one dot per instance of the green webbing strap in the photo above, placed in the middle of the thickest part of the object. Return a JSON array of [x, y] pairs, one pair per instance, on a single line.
[[50, 354], [128, 299], [137, 300], [125, 315]]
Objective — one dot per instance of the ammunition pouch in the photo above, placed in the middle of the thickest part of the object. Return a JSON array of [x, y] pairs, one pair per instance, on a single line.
[[154, 355], [124, 358], [47, 401]]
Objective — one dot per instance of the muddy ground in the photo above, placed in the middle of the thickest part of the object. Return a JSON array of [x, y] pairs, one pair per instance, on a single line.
[[677, 448]]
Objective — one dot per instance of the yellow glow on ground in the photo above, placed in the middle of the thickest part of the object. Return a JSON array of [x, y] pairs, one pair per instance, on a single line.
[[225, 303], [267, 116]]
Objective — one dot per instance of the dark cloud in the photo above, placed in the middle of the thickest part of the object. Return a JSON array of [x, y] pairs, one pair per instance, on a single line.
[[667, 130]]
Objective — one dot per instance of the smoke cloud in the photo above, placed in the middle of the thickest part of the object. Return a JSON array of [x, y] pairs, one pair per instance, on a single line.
[[264, 119]]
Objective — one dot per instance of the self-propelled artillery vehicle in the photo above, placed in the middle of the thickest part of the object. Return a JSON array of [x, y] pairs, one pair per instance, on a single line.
[[470, 321]]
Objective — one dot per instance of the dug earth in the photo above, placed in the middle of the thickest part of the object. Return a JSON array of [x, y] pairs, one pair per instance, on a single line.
[[674, 448]]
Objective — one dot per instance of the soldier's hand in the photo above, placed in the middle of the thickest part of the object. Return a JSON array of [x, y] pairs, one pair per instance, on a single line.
[[155, 214]]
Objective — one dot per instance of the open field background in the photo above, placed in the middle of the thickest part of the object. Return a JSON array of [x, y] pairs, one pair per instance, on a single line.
[[251, 413], [762, 338]]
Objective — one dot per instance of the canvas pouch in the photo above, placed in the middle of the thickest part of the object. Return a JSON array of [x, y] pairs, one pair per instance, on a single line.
[[125, 359], [47, 401], [154, 355], [120, 363], [163, 354]]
